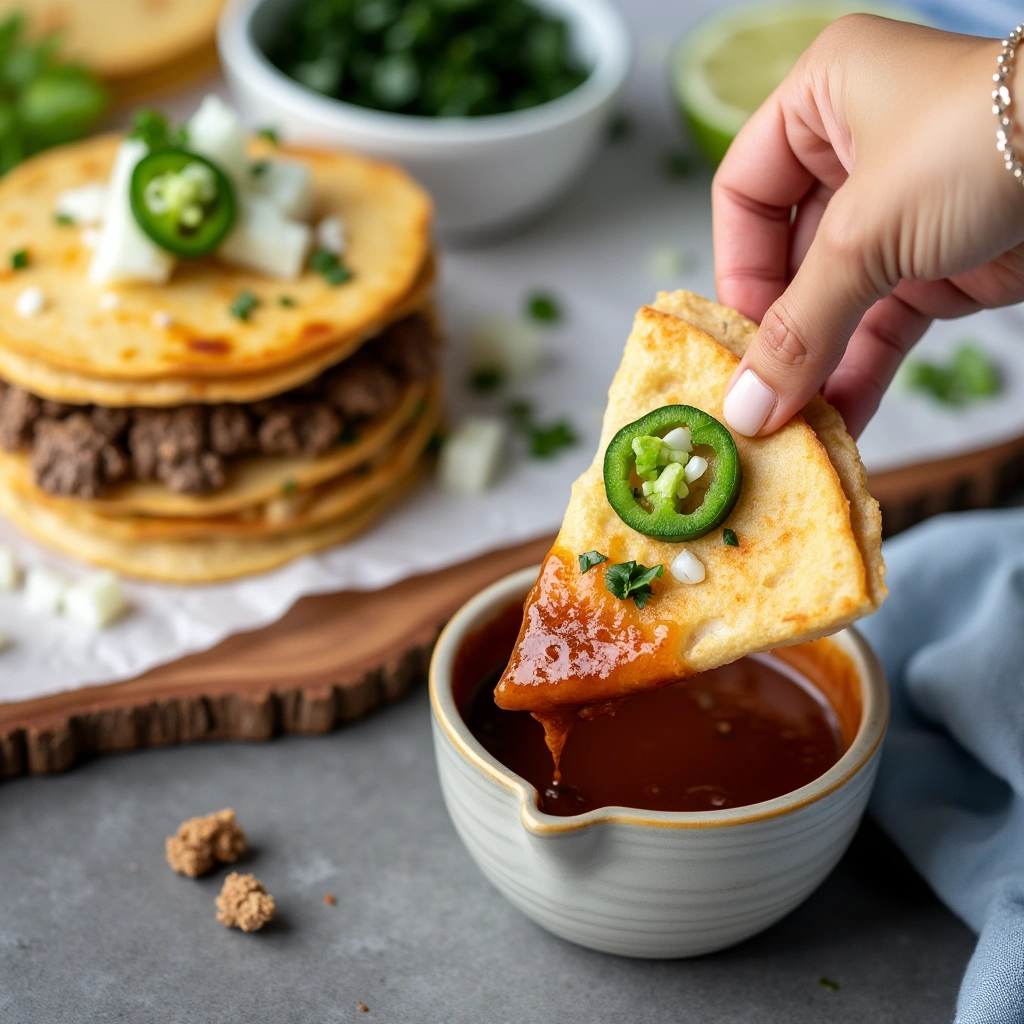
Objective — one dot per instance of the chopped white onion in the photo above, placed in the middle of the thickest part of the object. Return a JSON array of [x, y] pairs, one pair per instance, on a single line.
[[109, 300], [330, 235], [8, 569], [695, 469], [44, 590], [687, 567], [161, 319], [30, 302], [508, 344], [95, 601], [679, 438], [266, 241], [288, 184], [124, 252], [214, 131], [83, 205], [471, 456]]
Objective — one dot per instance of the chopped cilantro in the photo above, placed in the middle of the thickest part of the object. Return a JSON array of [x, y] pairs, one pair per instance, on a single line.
[[286, 300], [259, 168], [19, 259], [544, 307], [678, 164], [289, 487], [591, 558], [629, 579], [243, 306], [327, 264], [967, 376], [64, 219], [269, 134], [487, 379], [832, 986], [730, 538], [545, 439], [155, 130]]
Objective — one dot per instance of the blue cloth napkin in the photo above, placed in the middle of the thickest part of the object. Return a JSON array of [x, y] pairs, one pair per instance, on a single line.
[[950, 788]]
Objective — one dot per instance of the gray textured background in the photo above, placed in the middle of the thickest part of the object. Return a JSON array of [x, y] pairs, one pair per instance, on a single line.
[[417, 933]]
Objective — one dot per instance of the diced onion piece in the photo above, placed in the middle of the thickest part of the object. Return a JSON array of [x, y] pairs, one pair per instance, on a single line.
[[83, 205], [124, 252], [95, 601], [678, 455], [695, 468], [508, 344], [330, 235], [471, 456], [679, 438], [688, 568], [214, 131], [30, 302], [266, 241], [44, 590], [8, 569], [289, 186], [669, 480]]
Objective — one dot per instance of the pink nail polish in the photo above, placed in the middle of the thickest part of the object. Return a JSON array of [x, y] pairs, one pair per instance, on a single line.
[[748, 404]]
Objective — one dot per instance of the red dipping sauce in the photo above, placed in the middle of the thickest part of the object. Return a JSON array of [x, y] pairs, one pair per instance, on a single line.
[[733, 736]]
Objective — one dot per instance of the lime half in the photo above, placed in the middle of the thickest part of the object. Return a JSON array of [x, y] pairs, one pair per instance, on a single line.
[[729, 64]]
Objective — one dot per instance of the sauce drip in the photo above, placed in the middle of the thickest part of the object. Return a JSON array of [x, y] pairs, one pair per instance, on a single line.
[[733, 736]]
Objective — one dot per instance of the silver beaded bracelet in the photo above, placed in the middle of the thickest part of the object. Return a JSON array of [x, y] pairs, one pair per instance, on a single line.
[[1001, 102]]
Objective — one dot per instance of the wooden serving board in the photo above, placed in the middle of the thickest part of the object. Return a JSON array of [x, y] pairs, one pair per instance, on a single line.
[[331, 659]]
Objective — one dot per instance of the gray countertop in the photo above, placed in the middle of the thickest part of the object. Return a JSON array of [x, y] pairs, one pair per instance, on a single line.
[[95, 927]]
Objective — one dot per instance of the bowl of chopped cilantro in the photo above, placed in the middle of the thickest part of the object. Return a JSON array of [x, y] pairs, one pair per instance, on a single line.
[[495, 105]]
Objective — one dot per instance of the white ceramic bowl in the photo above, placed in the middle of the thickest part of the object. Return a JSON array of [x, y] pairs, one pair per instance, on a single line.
[[649, 883], [483, 172]]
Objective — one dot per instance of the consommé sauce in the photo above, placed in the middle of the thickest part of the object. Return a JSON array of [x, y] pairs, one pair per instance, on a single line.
[[736, 735]]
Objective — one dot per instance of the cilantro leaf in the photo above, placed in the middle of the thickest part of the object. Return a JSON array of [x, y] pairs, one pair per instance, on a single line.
[[545, 439], [329, 266], [544, 307], [243, 306], [630, 579], [269, 135], [730, 538], [591, 558]]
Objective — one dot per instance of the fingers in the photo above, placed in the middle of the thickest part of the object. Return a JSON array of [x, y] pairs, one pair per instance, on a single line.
[[888, 331], [804, 334]]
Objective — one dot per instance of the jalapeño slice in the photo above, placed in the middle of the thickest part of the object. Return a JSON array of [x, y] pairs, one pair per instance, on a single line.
[[658, 440], [182, 202]]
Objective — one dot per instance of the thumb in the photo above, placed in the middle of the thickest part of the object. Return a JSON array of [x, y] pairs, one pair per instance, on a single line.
[[806, 330]]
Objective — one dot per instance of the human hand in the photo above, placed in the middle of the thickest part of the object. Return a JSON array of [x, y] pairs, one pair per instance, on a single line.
[[882, 139]]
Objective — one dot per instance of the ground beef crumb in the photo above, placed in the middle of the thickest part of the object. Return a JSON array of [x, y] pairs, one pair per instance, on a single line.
[[330, 899], [308, 429], [72, 457], [19, 411], [111, 423], [170, 445], [361, 389], [409, 348], [58, 410], [244, 903], [363, 1008], [202, 842], [231, 430]]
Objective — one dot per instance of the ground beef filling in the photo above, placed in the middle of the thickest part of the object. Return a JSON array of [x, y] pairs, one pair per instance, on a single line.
[[82, 450]]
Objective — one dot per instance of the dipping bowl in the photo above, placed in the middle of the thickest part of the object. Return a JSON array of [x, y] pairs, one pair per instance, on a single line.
[[654, 883]]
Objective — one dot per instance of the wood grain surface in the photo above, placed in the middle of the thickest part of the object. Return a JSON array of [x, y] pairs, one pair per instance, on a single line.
[[331, 659]]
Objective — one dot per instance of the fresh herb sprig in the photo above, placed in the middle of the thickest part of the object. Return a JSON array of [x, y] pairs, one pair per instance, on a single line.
[[329, 266], [591, 558], [19, 259], [967, 376], [544, 308], [244, 305], [730, 538], [632, 580], [152, 127], [545, 439], [44, 101]]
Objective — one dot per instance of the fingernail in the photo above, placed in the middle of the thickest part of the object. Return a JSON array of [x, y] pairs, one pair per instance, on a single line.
[[748, 404]]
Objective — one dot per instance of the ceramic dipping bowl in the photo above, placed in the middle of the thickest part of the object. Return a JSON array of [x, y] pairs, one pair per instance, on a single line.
[[654, 883]]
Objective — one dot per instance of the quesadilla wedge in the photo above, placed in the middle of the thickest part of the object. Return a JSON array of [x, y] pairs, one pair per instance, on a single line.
[[791, 552]]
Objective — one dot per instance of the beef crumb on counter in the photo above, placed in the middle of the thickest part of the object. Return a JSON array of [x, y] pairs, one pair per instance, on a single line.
[[244, 903], [80, 451], [202, 842]]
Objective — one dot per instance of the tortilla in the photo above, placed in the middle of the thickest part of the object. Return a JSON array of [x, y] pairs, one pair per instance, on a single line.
[[193, 561], [122, 37], [251, 481], [802, 568], [338, 498], [61, 385], [387, 224]]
